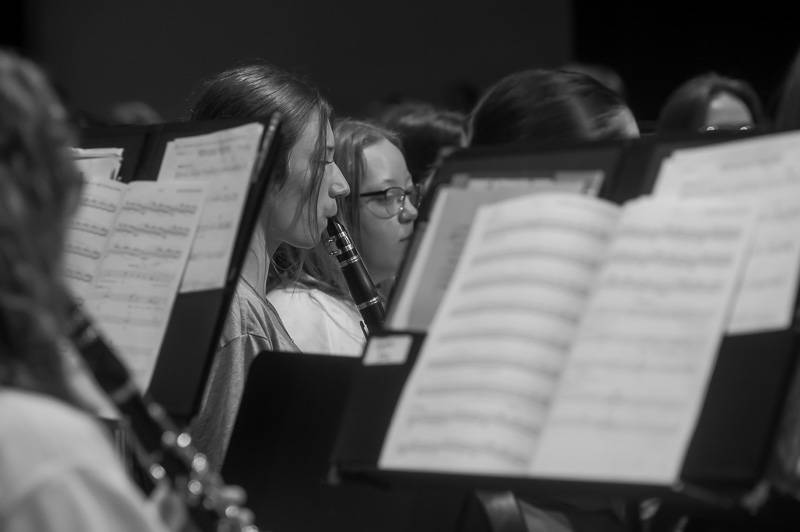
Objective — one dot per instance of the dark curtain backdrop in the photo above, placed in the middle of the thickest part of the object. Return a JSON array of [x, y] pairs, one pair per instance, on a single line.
[[362, 51], [655, 46], [357, 51]]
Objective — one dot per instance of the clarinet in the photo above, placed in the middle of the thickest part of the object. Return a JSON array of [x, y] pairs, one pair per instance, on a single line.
[[161, 449], [362, 289]]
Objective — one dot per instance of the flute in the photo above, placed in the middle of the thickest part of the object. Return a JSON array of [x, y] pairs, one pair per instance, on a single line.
[[362, 289]]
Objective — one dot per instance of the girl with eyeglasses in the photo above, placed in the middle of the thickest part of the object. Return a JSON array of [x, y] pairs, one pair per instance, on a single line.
[[711, 102], [310, 293]]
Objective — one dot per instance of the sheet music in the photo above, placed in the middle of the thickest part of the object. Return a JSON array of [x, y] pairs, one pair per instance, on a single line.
[[636, 377], [135, 287], [477, 397], [765, 170], [98, 163], [444, 238], [225, 161], [89, 231]]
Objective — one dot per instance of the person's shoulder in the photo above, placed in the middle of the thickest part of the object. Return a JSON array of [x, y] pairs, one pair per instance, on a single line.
[[59, 471], [25, 412], [300, 300], [251, 317], [246, 313], [42, 436], [292, 295], [245, 298]]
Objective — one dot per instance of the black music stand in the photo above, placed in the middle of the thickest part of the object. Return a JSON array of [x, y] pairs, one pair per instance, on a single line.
[[194, 326], [730, 451], [280, 453]]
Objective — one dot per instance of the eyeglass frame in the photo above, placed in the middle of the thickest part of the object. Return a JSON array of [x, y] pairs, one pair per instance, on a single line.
[[406, 194], [725, 128]]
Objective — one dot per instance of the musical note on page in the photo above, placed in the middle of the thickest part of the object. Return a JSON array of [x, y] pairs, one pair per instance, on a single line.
[[477, 398], [764, 170], [632, 389], [88, 232], [224, 160], [450, 221], [146, 254]]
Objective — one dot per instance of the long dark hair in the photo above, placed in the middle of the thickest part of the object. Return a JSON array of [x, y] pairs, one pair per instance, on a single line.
[[39, 192], [546, 105], [427, 133], [257, 90]]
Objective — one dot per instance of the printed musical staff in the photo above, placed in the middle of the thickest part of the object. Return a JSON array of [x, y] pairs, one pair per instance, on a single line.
[[224, 161], [637, 371], [450, 222], [764, 170], [508, 327], [575, 340], [88, 227], [82, 251], [99, 204], [126, 251]]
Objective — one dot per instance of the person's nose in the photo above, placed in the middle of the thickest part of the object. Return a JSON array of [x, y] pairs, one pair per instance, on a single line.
[[409, 212], [339, 186]]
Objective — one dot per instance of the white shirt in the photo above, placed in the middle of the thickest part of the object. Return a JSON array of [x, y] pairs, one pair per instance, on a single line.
[[318, 322], [59, 472]]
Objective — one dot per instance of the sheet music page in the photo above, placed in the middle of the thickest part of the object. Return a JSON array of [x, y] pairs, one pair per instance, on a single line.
[[637, 374], [765, 170], [225, 161], [477, 397], [98, 163], [136, 284], [447, 230], [89, 231]]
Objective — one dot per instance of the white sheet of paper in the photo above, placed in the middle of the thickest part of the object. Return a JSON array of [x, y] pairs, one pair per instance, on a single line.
[[88, 233], [477, 397], [387, 350], [764, 170], [135, 287], [98, 163], [637, 375], [446, 232], [224, 160]]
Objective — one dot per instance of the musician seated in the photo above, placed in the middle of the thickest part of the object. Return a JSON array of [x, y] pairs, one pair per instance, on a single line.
[[552, 106], [310, 293], [711, 102], [300, 197], [58, 469], [556, 106]]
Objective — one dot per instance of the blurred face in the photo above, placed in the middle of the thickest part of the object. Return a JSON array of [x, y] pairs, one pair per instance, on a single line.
[[726, 111], [289, 208], [386, 223]]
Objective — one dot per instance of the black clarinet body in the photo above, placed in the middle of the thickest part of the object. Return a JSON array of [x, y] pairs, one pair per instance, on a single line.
[[362, 289], [160, 448]]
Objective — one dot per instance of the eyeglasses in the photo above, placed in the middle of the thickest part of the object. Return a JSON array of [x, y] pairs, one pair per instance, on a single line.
[[392, 201], [744, 127]]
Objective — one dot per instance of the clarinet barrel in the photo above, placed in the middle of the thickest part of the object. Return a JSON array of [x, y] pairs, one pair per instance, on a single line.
[[362, 289]]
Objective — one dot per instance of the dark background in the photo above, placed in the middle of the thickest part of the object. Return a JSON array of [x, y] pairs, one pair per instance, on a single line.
[[363, 51]]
